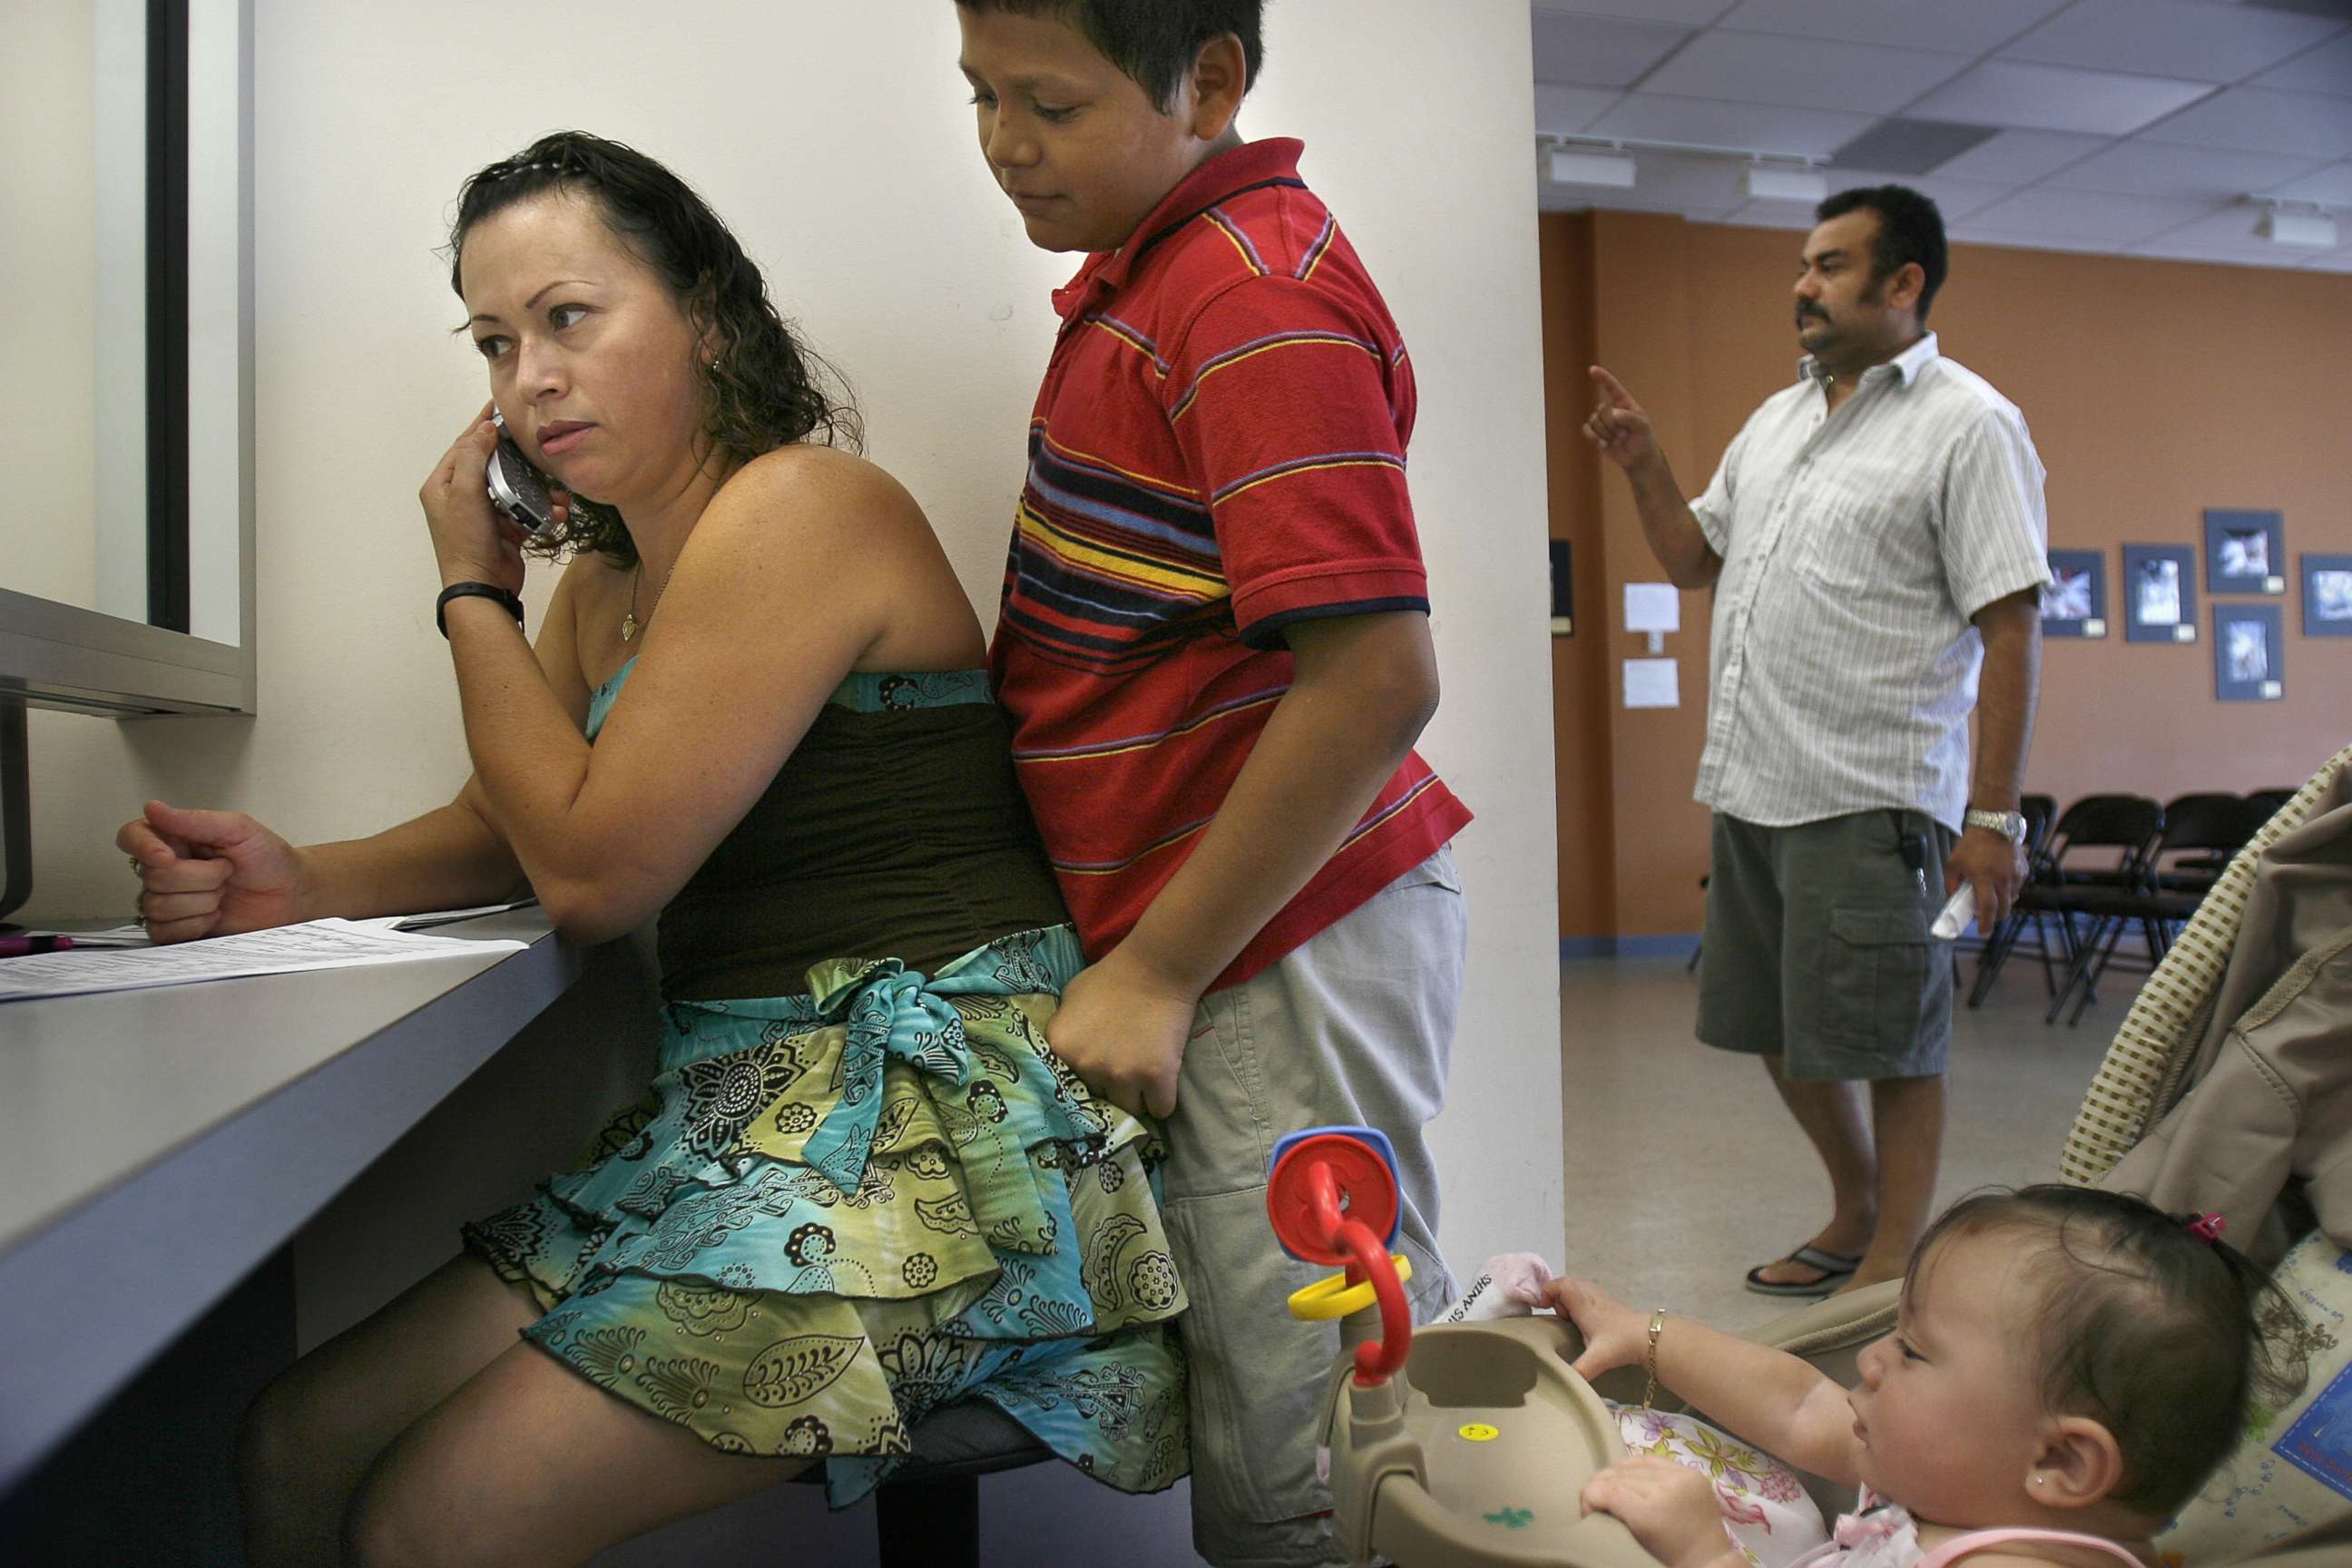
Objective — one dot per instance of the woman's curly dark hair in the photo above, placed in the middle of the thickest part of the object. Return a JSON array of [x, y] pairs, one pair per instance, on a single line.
[[762, 389]]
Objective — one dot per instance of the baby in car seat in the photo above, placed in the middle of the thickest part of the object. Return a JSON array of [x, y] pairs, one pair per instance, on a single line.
[[2067, 1367]]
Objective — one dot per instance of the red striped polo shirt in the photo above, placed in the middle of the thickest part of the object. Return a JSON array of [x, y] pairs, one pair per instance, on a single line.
[[1217, 452]]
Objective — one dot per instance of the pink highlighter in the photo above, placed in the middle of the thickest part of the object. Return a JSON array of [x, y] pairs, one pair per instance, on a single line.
[[27, 946]]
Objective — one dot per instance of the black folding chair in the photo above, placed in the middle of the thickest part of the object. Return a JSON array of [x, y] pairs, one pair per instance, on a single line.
[[2226, 820], [2072, 861], [2267, 803], [2041, 813], [2200, 834]]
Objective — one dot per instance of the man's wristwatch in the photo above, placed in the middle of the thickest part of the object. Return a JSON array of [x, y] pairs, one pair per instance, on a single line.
[[2010, 825]]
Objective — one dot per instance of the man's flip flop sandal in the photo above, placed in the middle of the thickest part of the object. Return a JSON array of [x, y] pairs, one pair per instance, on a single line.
[[1835, 1270]]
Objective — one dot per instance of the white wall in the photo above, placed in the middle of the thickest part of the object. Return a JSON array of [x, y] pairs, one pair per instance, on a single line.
[[837, 140], [47, 312]]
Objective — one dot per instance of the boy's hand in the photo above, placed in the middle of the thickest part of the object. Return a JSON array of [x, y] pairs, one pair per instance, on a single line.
[[1671, 1510], [1123, 1031], [1615, 1334]]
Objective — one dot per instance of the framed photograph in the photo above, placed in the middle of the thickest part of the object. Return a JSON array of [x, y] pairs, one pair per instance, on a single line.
[[2159, 593], [2249, 641], [2245, 552], [2327, 595], [1563, 589], [2075, 603]]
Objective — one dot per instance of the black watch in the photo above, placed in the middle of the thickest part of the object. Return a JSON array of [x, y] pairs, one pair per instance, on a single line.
[[471, 590]]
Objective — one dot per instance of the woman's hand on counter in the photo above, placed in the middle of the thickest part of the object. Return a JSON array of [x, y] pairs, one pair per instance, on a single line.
[[211, 873]]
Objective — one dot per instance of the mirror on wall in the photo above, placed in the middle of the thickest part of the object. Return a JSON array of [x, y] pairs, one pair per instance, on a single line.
[[73, 318], [125, 322]]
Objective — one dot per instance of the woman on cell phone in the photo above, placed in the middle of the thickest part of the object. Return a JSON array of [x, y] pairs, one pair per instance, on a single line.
[[859, 1188]]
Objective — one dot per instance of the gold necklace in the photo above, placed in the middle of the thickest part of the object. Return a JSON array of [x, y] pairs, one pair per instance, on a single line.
[[630, 625]]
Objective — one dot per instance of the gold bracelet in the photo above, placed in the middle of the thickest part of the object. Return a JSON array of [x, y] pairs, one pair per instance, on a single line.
[[1650, 1357]]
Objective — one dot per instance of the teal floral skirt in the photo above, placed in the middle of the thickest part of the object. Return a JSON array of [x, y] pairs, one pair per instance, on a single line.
[[833, 1213]]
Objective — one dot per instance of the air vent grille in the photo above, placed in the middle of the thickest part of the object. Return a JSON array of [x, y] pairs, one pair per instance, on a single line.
[[1899, 146]]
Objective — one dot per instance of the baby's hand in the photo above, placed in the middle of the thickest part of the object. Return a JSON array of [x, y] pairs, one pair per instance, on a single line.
[[1521, 1276], [1672, 1510], [1614, 1333], [1508, 1286]]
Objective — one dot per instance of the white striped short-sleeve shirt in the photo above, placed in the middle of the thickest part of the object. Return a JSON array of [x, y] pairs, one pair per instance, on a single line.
[[1856, 545]]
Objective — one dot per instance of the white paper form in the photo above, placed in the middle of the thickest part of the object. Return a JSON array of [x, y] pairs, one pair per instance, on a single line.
[[284, 950], [136, 935], [1652, 683], [1653, 607], [432, 917], [116, 936]]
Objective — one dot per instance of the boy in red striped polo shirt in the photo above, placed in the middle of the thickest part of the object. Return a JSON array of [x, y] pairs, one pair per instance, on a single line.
[[1215, 648]]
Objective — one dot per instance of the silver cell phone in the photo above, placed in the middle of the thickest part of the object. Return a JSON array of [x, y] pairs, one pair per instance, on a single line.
[[516, 487]]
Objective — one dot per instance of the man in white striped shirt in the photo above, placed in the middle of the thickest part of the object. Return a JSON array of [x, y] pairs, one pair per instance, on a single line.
[[1876, 540]]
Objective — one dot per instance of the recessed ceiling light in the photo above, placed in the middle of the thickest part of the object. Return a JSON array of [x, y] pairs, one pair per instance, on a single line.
[[1768, 184], [1572, 166]]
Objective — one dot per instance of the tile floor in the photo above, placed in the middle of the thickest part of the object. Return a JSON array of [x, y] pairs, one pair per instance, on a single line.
[[1681, 1169]]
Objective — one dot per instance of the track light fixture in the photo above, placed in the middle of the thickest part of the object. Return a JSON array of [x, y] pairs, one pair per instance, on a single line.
[[2314, 230]]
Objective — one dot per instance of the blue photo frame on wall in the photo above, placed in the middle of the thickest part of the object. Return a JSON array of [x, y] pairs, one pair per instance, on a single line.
[[2159, 593], [2327, 595], [2246, 551], [2075, 603], [2249, 652]]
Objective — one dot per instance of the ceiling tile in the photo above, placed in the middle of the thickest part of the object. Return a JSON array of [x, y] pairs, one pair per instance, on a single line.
[[1755, 127], [1588, 51], [2024, 156], [2332, 185], [1970, 28], [2126, 108], [1809, 73], [2057, 98], [2160, 169], [2088, 214], [1955, 199], [1685, 13], [1565, 110], [2258, 120], [2325, 70], [2170, 37], [2336, 10]]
